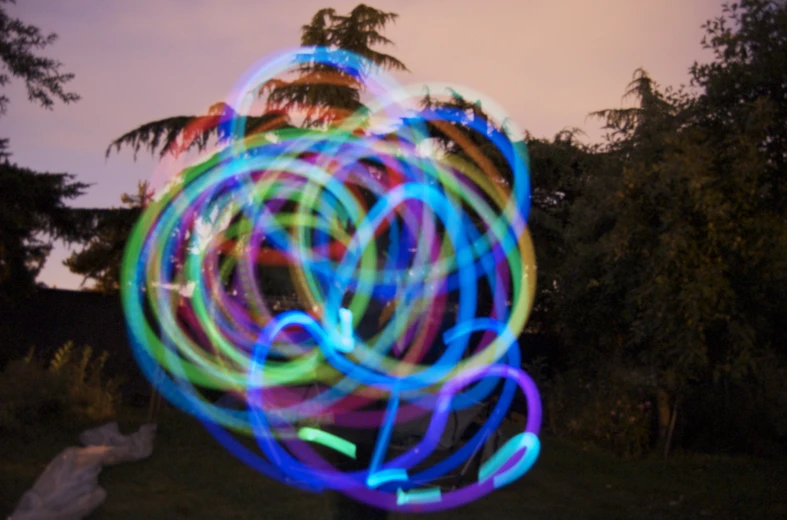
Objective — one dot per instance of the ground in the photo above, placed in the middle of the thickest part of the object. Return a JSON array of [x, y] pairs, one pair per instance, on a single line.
[[191, 476]]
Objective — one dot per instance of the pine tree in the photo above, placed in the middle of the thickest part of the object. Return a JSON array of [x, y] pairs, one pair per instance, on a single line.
[[324, 93], [102, 257]]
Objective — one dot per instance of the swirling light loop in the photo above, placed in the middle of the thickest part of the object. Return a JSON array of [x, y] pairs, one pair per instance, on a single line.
[[358, 216]]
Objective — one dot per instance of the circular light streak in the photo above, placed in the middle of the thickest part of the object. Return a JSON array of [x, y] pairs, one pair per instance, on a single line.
[[359, 218]]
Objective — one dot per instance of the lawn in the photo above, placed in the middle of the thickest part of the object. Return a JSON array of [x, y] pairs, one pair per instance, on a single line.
[[191, 476]]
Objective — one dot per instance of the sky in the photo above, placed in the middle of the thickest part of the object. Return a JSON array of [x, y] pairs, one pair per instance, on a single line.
[[547, 62]]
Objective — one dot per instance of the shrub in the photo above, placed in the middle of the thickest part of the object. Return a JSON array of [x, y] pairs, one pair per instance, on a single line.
[[71, 386]]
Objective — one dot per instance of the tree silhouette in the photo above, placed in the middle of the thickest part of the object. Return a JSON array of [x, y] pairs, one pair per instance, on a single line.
[[42, 76], [102, 256], [32, 207], [32, 214], [325, 94]]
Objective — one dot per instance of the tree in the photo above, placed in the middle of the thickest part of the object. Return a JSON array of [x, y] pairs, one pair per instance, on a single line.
[[559, 169], [42, 76], [745, 93], [102, 257], [474, 129], [324, 93], [673, 264], [180, 134], [32, 212], [676, 253], [749, 43]]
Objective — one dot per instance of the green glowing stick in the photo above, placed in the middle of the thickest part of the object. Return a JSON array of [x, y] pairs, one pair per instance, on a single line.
[[327, 439], [387, 475], [418, 496]]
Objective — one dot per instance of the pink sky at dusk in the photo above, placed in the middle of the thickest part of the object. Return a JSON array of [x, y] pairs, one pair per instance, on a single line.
[[547, 62]]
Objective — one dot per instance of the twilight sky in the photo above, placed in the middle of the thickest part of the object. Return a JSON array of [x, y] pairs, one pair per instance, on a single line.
[[547, 62]]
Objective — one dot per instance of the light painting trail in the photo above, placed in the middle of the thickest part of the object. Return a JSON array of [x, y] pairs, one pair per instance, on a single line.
[[370, 227]]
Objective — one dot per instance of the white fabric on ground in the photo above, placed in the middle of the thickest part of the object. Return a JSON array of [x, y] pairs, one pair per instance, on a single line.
[[68, 488]]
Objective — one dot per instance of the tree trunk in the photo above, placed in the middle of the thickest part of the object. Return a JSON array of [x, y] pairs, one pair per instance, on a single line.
[[671, 429], [663, 411]]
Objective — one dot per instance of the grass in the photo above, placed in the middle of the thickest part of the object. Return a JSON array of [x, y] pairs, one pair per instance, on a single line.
[[191, 476]]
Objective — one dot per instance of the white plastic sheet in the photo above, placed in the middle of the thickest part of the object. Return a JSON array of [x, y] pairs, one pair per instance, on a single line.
[[68, 488]]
